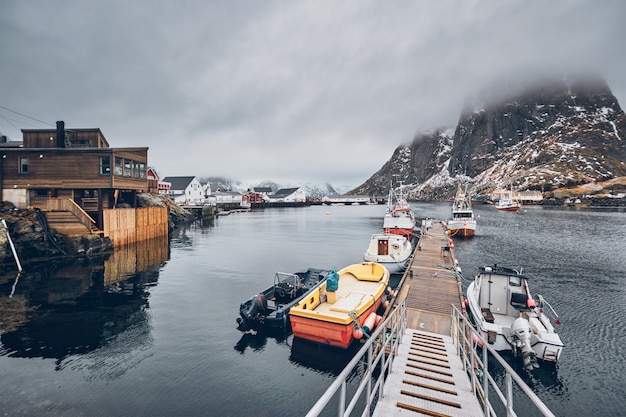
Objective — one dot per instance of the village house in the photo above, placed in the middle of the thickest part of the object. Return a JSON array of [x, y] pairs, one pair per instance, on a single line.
[[256, 195], [225, 198], [185, 190], [72, 169], [162, 186], [288, 195]]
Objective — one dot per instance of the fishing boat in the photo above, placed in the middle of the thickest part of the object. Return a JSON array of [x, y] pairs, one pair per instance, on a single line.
[[270, 308], [343, 308], [506, 203], [399, 217], [462, 222], [391, 250], [503, 310]]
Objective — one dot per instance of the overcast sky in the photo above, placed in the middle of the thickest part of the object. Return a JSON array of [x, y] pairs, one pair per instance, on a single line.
[[290, 91]]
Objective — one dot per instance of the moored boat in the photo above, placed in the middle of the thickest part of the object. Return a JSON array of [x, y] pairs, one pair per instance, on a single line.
[[341, 308], [506, 203], [270, 308], [462, 222], [391, 250], [511, 319], [399, 217]]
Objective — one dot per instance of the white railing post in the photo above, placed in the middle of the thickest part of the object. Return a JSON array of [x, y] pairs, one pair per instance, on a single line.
[[508, 380]]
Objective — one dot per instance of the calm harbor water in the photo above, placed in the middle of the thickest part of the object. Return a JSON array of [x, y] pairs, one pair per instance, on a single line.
[[151, 330]]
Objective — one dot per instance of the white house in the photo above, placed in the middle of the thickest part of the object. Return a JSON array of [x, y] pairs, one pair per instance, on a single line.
[[288, 195], [185, 190], [223, 197]]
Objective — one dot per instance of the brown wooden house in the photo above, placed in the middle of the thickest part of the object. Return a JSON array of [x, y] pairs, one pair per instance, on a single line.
[[54, 168]]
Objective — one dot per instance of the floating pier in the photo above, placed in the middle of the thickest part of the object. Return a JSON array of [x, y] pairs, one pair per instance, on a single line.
[[428, 376], [431, 284]]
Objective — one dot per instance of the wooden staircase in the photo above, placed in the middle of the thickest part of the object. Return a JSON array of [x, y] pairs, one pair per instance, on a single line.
[[67, 223]]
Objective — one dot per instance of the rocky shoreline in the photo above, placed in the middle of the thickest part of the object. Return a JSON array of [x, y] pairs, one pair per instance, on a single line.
[[35, 244]]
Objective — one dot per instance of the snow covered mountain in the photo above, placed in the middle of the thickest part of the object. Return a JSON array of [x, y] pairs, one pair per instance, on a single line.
[[551, 134], [312, 190]]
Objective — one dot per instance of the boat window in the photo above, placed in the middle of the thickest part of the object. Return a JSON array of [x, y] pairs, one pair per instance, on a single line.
[[515, 281]]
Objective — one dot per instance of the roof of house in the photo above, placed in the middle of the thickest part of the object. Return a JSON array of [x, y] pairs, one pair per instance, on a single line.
[[266, 190], [178, 183], [284, 192]]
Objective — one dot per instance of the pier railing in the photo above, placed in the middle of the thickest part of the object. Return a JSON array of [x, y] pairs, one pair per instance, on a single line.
[[475, 363], [376, 355]]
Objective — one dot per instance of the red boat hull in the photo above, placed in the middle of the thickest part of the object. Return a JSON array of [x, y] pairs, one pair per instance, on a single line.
[[326, 333]]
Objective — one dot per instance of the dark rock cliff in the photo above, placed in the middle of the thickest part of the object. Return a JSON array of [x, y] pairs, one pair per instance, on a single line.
[[550, 134]]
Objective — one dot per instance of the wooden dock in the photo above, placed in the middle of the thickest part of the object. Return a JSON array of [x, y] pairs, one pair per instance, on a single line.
[[428, 377], [430, 285]]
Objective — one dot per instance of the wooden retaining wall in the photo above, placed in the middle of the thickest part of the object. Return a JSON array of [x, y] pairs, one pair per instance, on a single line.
[[129, 225]]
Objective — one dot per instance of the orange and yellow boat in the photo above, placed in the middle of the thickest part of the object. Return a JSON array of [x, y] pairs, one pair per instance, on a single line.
[[341, 307]]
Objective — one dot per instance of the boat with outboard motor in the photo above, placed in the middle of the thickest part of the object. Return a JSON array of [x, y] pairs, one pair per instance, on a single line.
[[399, 217], [500, 304], [343, 308], [462, 222], [391, 250], [270, 308]]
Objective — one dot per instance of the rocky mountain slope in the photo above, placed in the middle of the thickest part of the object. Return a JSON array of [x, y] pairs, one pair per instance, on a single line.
[[548, 135]]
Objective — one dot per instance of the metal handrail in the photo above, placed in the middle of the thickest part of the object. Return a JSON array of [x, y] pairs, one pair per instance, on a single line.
[[467, 341], [386, 340]]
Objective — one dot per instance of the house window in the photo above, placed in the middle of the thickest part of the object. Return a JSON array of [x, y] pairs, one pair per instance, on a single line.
[[142, 170], [118, 166], [23, 165], [127, 165], [105, 165]]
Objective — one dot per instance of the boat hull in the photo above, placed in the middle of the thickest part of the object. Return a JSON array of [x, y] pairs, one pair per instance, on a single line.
[[507, 208], [462, 228], [327, 333]]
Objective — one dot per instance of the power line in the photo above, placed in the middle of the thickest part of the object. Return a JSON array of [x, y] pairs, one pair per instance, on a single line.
[[23, 115]]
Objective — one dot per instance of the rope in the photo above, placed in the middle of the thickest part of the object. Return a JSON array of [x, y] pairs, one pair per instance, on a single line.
[[356, 324]]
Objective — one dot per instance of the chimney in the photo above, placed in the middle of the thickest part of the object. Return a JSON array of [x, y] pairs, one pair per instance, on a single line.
[[60, 134]]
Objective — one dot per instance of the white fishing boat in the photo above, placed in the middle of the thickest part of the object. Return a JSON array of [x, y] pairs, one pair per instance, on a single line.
[[390, 250], [511, 319], [506, 203], [462, 222], [399, 218]]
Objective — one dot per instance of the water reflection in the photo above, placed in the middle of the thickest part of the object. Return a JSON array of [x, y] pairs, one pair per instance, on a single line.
[[324, 359], [258, 340], [66, 308]]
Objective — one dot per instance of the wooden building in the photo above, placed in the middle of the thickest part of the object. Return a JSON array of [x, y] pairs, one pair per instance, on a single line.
[[72, 165]]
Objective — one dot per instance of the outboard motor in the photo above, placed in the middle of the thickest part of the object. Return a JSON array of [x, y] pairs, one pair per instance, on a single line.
[[520, 342], [252, 313]]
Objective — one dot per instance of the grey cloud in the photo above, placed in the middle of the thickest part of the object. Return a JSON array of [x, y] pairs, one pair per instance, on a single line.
[[312, 91]]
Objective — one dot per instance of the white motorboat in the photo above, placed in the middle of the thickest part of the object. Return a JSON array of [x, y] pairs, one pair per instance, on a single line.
[[391, 250], [462, 222], [399, 218], [511, 319]]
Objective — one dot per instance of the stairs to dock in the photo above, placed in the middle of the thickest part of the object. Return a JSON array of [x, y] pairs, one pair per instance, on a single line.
[[427, 379], [67, 223]]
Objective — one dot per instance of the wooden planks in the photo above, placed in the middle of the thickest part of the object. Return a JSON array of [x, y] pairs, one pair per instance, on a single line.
[[431, 285]]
